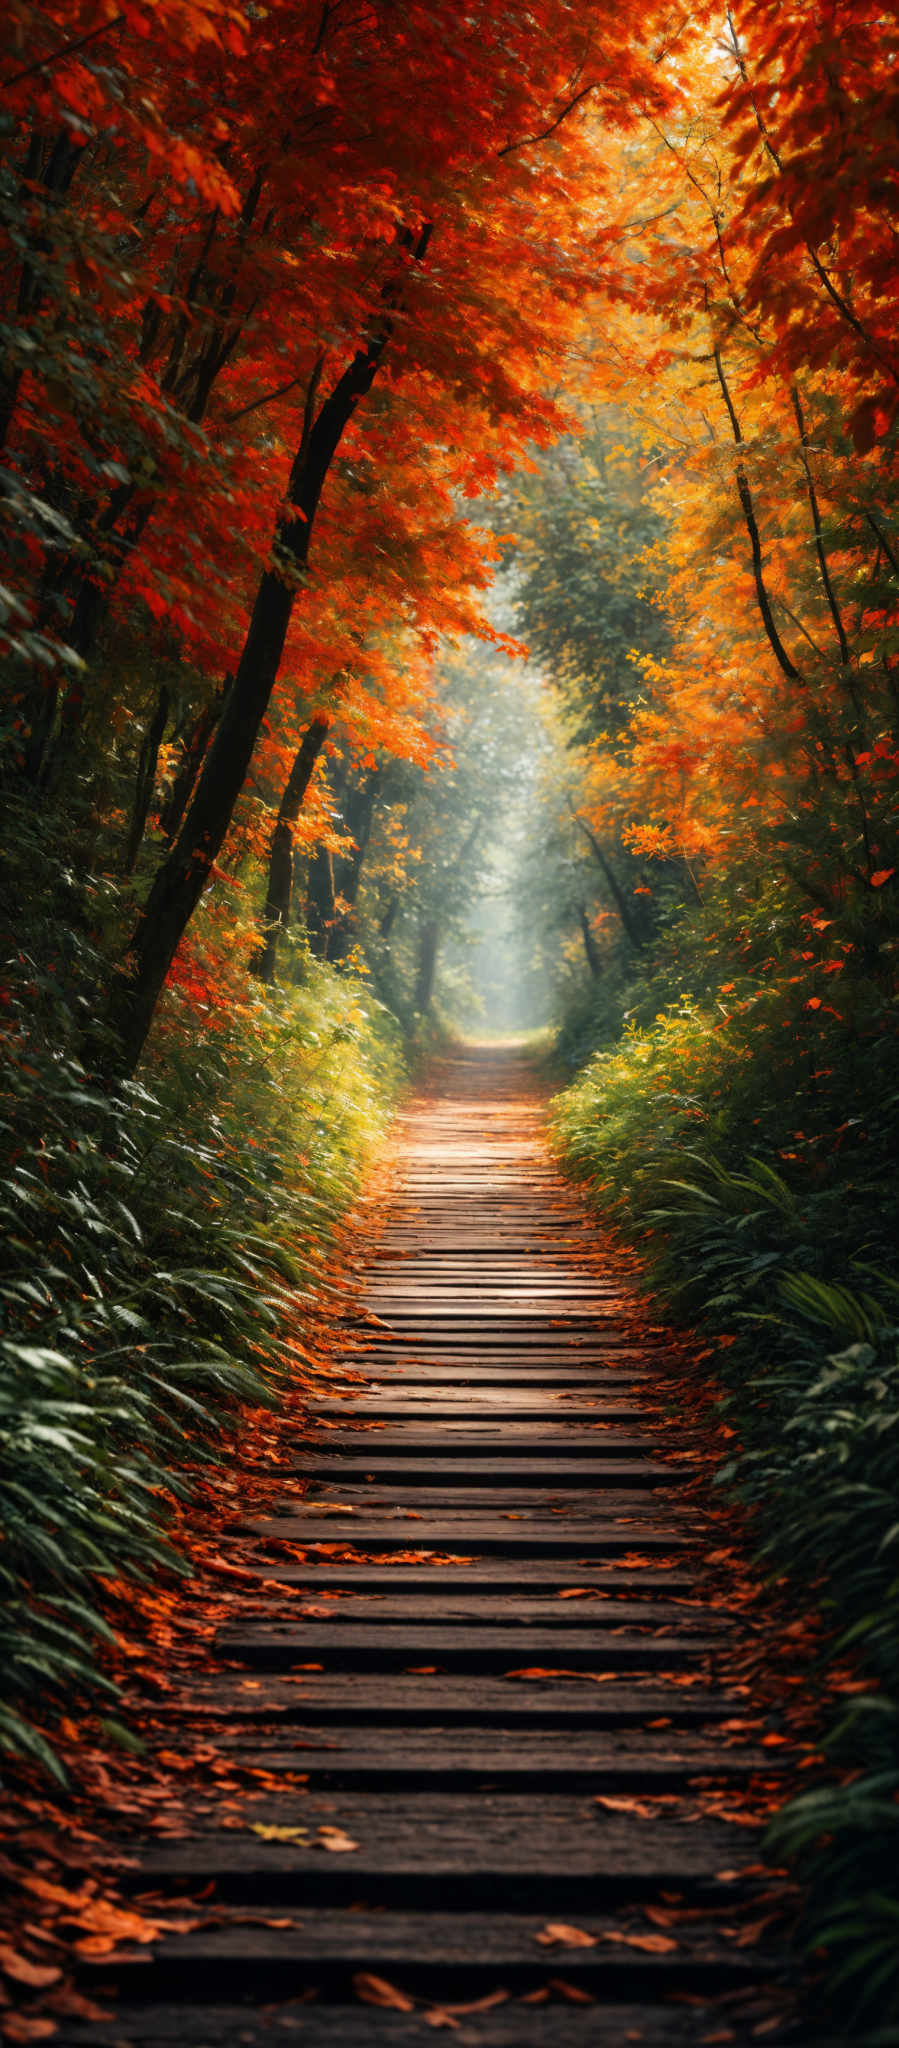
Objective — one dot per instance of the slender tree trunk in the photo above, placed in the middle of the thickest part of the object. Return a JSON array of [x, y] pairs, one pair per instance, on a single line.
[[429, 941], [276, 915], [747, 503], [590, 946], [335, 882], [146, 777], [617, 893], [360, 810], [320, 894], [823, 564], [181, 791], [388, 918]]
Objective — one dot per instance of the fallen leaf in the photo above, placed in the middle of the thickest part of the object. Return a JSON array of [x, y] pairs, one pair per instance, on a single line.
[[572, 1992], [272, 1833], [556, 1932], [541, 1671], [654, 1944], [336, 1840], [24, 2026], [376, 1991], [478, 2004], [617, 1804], [24, 1971]]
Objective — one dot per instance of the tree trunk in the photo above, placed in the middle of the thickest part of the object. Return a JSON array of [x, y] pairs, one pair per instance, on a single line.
[[146, 777], [428, 943], [181, 791], [333, 881], [359, 813], [276, 915], [184, 873], [590, 946], [388, 918], [617, 893], [747, 503], [320, 893]]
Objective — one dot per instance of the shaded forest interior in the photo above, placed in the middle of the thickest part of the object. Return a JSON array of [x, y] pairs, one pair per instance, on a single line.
[[450, 586]]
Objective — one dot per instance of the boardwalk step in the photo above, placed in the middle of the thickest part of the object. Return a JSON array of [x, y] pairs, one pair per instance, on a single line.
[[505, 1759], [400, 1699], [387, 1646], [556, 2024], [532, 1538], [526, 1474], [439, 1955], [406, 1608], [554, 1851], [534, 1577], [500, 1441], [452, 1409]]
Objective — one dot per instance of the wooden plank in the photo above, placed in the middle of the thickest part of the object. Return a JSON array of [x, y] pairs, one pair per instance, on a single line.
[[436, 1849], [610, 1356], [483, 1367], [493, 1575], [439, 1955], [401, 1700], [395, 1646], [502, 1760], [557, 2024], [527, 1475], [454, 1409], [466, 1534], [636, 1504], [453, 1609], [479, 1439]]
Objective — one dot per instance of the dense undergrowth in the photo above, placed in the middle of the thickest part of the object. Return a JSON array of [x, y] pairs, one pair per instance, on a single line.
[[745, 1132], [163, 1239]]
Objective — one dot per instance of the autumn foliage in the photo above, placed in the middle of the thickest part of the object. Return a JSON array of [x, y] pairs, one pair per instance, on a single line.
[[315, 319]]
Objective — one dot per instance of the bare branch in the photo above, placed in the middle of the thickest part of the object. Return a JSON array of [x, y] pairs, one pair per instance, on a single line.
[[68, 50]]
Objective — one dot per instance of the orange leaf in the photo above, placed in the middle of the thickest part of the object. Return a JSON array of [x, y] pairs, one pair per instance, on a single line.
[[479, 2004], [336, 1840], [654, 1944], [376, 1991], [882, 875], [23, 1971], [621, 1805], [557, 1933], [572, 1992]]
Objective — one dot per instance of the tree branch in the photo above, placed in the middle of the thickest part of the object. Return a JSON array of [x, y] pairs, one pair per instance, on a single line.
[[68, 50], [788, 667]]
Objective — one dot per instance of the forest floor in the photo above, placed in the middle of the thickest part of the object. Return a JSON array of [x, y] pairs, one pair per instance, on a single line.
[[473, 1714]]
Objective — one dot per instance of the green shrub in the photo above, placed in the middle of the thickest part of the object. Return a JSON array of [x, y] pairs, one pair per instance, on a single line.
[[759, 1181], [161, 1239]]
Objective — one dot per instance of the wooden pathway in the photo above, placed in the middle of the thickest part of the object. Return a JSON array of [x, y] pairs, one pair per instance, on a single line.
[[513, 1787]]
